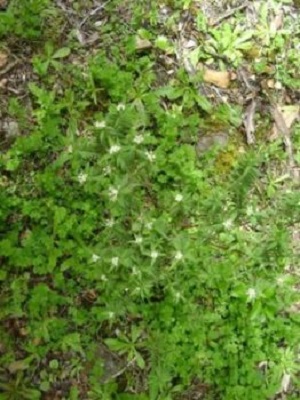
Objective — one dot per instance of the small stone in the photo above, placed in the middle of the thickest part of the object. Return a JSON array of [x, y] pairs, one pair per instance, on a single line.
[[206, 143], [111, 363], [3, 4], [142, 44], [11, 129], [189, 44], [218, 78], [3, 83]]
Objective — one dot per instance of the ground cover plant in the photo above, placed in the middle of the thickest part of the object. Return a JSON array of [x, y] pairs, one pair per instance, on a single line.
[[149, 203]]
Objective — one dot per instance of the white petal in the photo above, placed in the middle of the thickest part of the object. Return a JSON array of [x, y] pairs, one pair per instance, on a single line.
[[121, 107], [95, 258], [251, 294], [178, 197], [100, 124], [115, 261], [178, 256]]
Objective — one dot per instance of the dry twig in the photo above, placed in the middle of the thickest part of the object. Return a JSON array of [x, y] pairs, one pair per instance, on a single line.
[[229, 13], [286, 134], [249, 122], [93, 12]]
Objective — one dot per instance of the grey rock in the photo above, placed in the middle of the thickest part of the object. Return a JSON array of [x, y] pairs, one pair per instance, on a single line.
[[10, 128], [207, 142], [112, 364]]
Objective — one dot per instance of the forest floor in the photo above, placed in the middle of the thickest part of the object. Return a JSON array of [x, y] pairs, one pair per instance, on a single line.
[[149, 203]]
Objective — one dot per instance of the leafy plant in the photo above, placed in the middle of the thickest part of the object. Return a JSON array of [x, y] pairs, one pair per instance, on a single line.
[[230, 42], [51, 57], [115, 233], [24, 19]]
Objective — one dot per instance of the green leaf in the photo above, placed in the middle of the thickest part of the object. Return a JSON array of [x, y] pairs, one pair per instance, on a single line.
[[53, 364], [45, 386], [194, 56], [162, 42], [31, 394], [203, 103], [116, 345], [73, 342], [135, 333], [74, 393], [3, 275], [139, 360], [170, 92], [62, 53]]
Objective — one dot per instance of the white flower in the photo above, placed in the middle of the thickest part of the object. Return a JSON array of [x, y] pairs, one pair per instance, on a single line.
[[82, 178], [107, 170], [109, 223], [154, 254], [70, 149], [115, 148], [150, 155], [149, 225], [178, 197], [178, 256], [249, 211], [100, 124], [121, 107], [138, 239], [138, 139], [95, 258], [113, 193], [115, 261], [251, 294], [280, 280], [111, 314], [103, 278], [228, 224]]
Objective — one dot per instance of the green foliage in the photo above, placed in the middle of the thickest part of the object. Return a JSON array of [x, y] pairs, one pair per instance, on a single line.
[[24, 19], [113, 232]]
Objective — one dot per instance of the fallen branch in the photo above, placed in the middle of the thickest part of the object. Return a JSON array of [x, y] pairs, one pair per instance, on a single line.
[[286, 135], [249, 122]]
